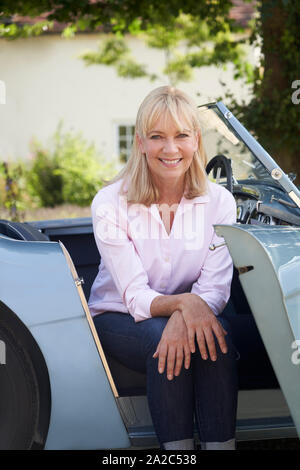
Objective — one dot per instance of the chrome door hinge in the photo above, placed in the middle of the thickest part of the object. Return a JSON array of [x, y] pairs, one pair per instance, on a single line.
[[79, 281], [212, 247]]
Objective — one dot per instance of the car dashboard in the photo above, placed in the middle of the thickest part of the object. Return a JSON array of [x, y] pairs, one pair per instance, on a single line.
[[263, 204]]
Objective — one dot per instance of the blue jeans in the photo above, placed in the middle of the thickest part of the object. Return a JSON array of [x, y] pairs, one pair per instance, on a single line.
[[207, 389]]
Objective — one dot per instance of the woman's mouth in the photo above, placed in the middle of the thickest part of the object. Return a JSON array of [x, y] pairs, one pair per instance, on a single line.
[[170, 163]]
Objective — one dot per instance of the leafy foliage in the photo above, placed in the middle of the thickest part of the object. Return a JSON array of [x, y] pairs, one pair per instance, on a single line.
[[271, 113], [44, 184], [187, 43], [13, 195], [115, 15], [71, 173], [110, 52], [13, 31]]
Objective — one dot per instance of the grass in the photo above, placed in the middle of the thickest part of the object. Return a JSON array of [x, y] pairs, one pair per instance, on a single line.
[[65, 211]]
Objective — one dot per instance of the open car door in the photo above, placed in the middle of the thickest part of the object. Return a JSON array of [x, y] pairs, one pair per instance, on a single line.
[[268, 261], [44, 325]]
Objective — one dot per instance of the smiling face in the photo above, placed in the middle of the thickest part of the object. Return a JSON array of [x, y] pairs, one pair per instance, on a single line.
[[169, 150]]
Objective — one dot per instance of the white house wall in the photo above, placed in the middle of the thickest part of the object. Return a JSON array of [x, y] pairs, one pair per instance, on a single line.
[[45, 82]]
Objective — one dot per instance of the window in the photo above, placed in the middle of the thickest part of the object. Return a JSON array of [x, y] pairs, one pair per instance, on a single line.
[[125, 135]]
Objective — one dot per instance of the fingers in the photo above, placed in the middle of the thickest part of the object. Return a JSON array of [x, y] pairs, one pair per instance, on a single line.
[[171, 362], [155, 355], [210, 343], [172, 359], [201, 343], [205, 338], [191, 338], [180, 356], [187, 356], [224, 331], [219, 332], [162, 355]]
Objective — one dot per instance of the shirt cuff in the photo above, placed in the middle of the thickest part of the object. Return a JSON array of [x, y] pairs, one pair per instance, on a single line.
[[140, 310]]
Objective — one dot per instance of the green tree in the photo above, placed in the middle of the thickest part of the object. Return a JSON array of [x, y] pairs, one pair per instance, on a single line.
[[187, 43], [109, 15], [271, 114]]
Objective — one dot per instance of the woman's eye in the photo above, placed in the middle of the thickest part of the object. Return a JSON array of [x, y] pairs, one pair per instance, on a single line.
[[182, 136], [155, 136]]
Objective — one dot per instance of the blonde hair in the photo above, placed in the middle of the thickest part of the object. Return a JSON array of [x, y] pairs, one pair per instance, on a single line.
[[137, 182]]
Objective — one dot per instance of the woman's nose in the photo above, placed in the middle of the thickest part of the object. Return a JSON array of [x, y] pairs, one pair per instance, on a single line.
[[170, 146]]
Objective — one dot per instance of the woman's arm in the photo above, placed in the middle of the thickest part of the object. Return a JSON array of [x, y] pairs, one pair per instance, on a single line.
[[209, 293], [213, 284], [198, 317], [165, 305], [191, 317], [173, 349], [120, 257]]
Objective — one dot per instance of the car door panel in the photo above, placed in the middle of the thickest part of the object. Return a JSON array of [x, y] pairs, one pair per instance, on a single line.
[[37, 285], [267, 259]]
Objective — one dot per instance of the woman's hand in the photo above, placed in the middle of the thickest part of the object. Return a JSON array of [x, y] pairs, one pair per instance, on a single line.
[[173, 346], [202, 323]]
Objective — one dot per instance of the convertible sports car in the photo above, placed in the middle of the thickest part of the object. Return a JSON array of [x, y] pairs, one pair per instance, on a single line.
[[58, 388]]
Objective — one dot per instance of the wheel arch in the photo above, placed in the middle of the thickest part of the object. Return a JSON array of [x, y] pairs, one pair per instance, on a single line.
[[24, 337]]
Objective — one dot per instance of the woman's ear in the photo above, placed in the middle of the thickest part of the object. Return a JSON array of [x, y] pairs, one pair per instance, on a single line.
[[197, 138], [140, 143]]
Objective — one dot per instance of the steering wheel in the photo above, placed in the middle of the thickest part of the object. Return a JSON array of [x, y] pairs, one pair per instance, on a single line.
[[221, 167]]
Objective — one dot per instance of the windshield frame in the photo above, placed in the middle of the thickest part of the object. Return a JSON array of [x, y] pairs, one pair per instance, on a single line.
[[276, 173]]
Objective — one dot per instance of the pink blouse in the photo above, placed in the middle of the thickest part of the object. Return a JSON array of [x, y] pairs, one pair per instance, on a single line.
[[140, 261]]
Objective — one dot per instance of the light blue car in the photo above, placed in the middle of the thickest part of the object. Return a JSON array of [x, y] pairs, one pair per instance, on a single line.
[[58, 388]]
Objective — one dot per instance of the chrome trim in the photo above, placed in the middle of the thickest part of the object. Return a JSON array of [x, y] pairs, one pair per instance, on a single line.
[[79, 281], [212, 247], [282, 201], [258, 203], [228, 114], [295, 198], [276, 174], [259, 152], [246, 430]]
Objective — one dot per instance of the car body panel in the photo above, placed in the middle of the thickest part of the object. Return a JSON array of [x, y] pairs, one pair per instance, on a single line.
[[268, 261], [37, 285]]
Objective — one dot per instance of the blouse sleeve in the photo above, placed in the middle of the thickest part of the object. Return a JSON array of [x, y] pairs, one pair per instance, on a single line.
[[214, 282], [121, 259]]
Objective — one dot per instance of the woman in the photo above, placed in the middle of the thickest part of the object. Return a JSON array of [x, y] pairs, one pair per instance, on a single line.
[[159, 292]]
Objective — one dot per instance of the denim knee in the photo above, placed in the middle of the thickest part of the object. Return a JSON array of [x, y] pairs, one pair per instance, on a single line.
[[151, 333]]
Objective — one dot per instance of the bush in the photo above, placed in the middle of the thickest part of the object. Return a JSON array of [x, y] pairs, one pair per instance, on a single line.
[[71, 173], [43, 183], [13, 195]]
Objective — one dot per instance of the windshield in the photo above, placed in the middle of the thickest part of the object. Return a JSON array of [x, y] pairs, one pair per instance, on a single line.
[[220, 139]]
